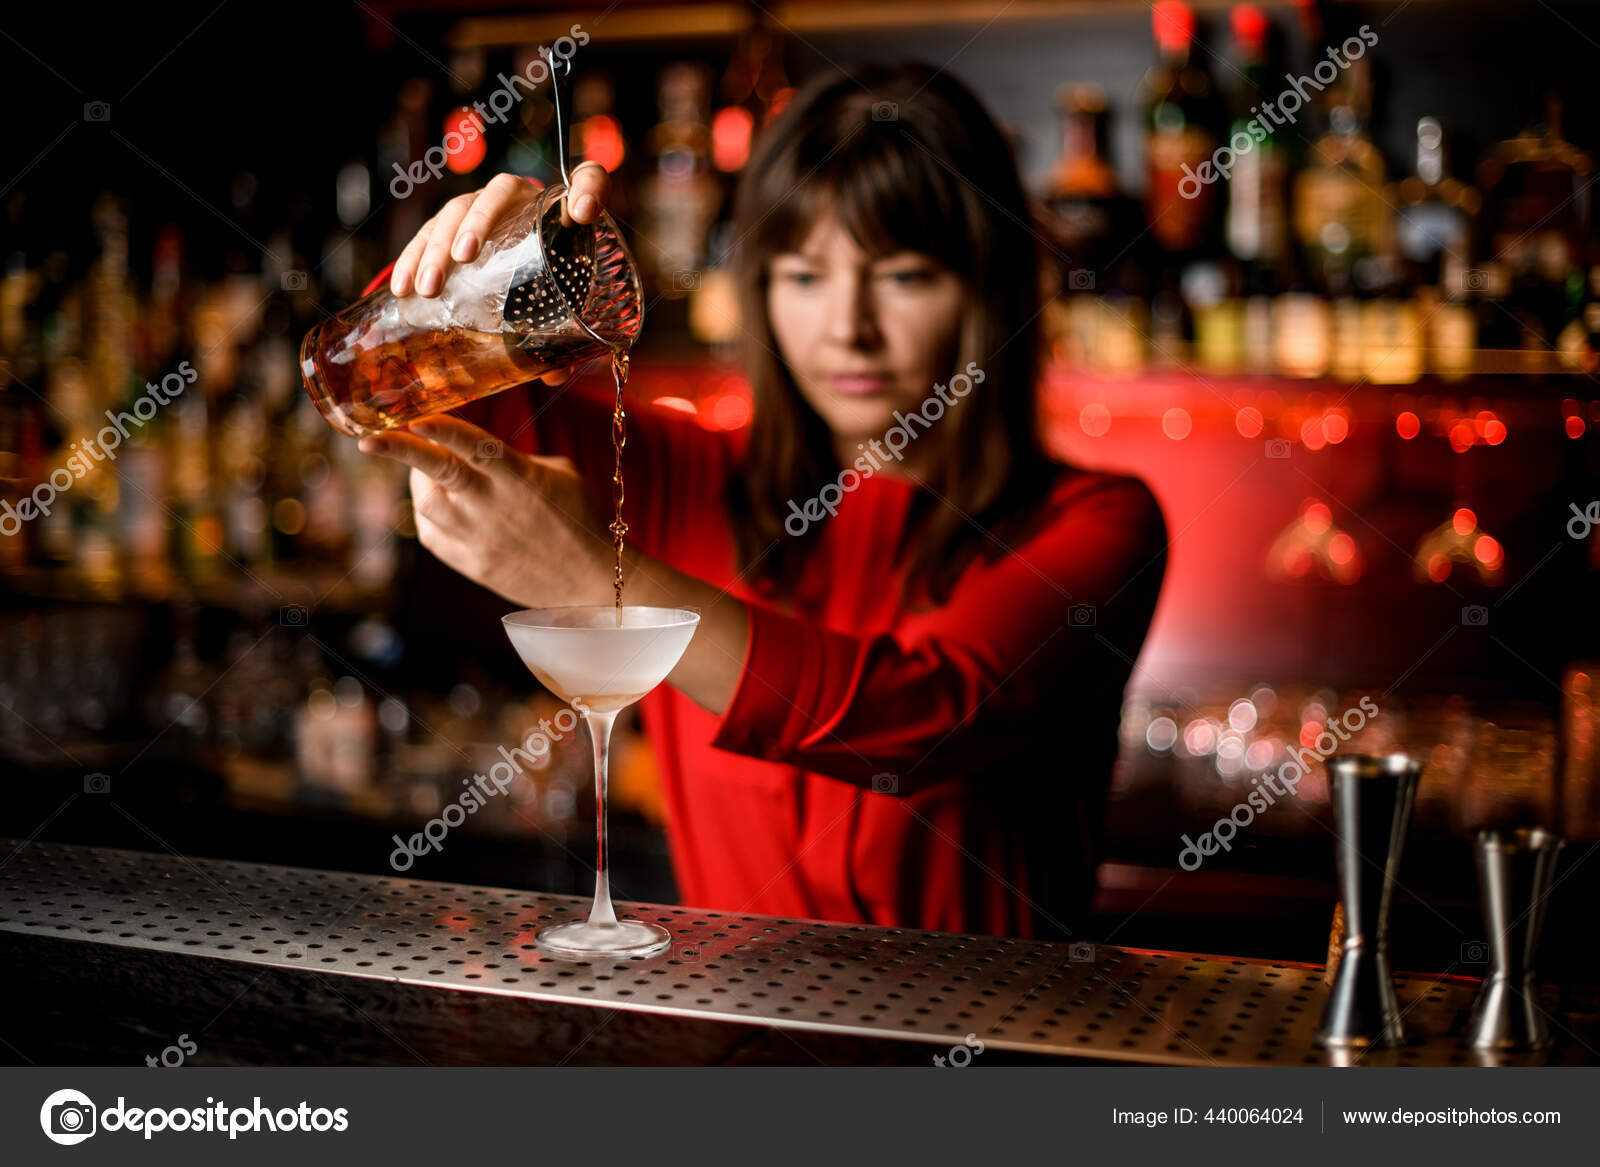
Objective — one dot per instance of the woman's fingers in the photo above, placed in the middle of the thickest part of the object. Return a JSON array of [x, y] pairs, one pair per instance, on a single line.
[[435, 265], [587, 195], [431, 458], [405, 268], [503, 191], [473, 445], [456, 234]]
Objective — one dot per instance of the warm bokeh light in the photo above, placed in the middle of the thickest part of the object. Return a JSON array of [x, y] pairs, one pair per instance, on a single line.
[[1463, 521], [1248, 421], [731, 131], [681, 404], [602, 140], [1487, 549], [463, 129], [1462, 436], [1318, 518], [1408, 425], [1336, 425], [1176, 423], [1095, 419], [1312, 434], [731, 411], [1342, 549], [1575, 426]]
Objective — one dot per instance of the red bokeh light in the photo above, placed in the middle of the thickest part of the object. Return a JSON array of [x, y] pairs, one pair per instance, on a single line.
[[731, 411], [1408, 425], [464, 129], [1464, 520], [1248, 421]]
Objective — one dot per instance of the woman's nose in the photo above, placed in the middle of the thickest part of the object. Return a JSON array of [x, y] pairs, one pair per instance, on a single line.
[[852, 316]]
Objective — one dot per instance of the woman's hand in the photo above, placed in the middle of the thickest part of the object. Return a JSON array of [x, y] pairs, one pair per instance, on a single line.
[[457, 232], [520, 525]]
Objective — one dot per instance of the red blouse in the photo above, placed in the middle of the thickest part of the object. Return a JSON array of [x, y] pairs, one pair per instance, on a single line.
[[943, 769]]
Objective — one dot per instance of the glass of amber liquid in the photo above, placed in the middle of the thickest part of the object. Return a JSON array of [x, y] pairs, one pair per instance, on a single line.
[[539, 297]]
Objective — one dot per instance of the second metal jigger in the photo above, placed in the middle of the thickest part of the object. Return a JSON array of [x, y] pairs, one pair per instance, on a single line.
[[1372, 797], [1515, 870]]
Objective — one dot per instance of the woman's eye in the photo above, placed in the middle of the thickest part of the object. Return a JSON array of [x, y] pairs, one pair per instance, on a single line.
[[908, 279], [803, 278]]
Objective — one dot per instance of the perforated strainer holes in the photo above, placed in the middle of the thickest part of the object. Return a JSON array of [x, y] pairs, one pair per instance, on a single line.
[[556, 285], [1012, 993]]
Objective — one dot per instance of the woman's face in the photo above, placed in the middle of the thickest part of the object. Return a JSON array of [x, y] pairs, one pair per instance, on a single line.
[[862, 337]]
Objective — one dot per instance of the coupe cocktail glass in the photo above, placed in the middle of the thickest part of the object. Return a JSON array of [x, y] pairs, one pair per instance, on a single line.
[[600, 666]]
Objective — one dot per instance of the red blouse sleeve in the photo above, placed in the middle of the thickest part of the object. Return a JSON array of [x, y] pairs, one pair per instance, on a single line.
[[1025, 646]]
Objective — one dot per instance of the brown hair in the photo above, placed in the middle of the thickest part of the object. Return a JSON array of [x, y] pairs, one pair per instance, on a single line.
[[906, 157]]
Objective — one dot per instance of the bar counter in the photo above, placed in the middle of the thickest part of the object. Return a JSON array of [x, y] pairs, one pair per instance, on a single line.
[[112, 954]]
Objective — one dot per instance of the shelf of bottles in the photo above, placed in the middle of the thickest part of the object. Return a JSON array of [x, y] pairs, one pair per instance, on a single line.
[[1272, 241]]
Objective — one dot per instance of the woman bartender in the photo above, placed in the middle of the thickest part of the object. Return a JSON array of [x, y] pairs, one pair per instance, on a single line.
[[901, 703]]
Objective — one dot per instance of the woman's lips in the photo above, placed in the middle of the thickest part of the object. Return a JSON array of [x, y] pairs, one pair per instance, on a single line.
[[859, 383]]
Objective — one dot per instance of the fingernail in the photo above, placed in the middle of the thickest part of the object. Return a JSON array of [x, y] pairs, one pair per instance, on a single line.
[[428, 282], [367, 446], [466, 245], [584, 207], [398, 284]]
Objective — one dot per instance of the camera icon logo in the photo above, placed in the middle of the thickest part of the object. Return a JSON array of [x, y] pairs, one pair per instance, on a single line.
[[294, 281], [1474, 279], [97, 111], [1081, 615], [97, 783], [490, 449], [685, 280], [1080, 279], [1474, 615], [885, 111], [1081, 952], [68, 1117], [1278, 448], [885, 783], [1474, 952]]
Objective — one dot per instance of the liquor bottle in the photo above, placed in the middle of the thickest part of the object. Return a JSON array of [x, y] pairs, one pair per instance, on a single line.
[[680, 195], [1257, 214], [1091, 220], [1340, 218], [1435, 218], [1180, 127], [1537, 211]]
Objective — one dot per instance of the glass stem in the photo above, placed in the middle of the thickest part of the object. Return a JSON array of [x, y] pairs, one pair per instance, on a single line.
[[600, 732]]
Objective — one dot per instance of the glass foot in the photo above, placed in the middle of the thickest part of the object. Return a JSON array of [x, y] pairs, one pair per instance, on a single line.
[[624, 938]]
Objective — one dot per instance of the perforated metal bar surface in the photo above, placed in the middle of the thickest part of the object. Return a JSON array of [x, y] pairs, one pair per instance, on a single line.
[[1039, 997]]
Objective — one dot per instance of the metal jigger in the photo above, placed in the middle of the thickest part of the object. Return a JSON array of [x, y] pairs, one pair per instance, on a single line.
[[1372, 798], [1515, 871]]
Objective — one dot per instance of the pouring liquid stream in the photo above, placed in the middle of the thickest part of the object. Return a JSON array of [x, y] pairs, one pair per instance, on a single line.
[[619, 438]]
